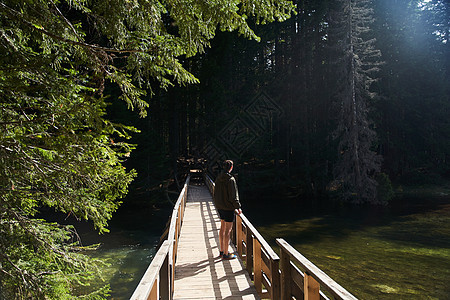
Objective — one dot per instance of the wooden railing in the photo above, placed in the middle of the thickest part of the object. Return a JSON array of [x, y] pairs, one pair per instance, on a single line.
[[260, 259], [291, 276], [157, 282], [307, 280]]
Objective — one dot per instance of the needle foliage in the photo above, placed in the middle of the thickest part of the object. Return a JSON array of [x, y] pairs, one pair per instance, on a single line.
[[58, 59]]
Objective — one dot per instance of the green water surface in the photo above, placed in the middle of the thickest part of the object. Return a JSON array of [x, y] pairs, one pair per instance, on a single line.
[[397, 252], [128, 249], [401, 251]]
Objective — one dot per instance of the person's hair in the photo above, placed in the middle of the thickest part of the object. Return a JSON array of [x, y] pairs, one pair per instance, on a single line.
[[227, 165]]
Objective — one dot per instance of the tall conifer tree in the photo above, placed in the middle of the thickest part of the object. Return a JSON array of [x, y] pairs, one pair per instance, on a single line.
[[356, 59]]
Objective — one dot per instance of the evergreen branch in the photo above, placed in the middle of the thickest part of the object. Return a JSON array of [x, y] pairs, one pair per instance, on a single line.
[[23, 222], [67, 21], [21, 17], [23, 274]]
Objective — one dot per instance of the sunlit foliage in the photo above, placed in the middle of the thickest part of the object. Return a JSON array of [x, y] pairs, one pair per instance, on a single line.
[[57, 148]]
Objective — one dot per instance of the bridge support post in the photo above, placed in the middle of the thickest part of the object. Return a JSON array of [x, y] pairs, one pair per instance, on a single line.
[[275, 274], [239, 235], [154, 291], [165, 280], [311, 288], [234, 235], [286, 276], [257, 269], [249, 253]]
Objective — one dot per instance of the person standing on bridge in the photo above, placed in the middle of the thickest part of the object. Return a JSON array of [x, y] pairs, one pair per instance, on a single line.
[[226, 200]]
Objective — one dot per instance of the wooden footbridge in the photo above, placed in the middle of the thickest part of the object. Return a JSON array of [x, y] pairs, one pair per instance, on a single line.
[[187, 265]]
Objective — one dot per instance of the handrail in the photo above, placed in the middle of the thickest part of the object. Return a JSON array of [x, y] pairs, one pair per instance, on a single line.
[[313, 276], [158, 281], [154, 283], [276, 278], [264, 261]]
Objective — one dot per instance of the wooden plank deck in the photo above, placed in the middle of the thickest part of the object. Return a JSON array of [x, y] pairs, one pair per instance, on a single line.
[[199, 272]]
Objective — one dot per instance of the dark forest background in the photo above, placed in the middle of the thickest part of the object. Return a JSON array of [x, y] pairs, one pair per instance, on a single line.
[[361, 98]]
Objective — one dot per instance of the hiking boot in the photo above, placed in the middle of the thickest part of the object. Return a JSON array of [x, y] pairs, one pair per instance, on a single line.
[[229, 256]]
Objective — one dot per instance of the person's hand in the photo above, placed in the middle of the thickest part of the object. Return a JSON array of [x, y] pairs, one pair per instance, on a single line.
[[238, 211]]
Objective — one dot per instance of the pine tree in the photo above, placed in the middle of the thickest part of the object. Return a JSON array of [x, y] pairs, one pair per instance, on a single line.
[[59, 61], [356, 60]]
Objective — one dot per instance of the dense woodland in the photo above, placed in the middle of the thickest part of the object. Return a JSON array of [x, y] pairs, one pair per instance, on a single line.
[[339, 99], [362, 87]]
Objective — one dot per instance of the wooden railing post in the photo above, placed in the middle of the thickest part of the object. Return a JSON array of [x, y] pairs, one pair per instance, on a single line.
[[311, 288], [165, 282], [239, 233], [154, 291], [286, 277], [312, 277], [249, 253], [275, 274], [172, 266], [233, 233], [257, 270]]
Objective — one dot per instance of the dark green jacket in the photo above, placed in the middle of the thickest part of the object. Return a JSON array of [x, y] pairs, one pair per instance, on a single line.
[[226, 194]]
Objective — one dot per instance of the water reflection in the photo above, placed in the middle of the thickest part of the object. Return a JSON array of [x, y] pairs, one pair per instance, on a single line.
[[129, 247], [397, 252], [126, 266]]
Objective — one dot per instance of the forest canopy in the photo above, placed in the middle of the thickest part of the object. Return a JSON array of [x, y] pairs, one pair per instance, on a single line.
[[346, 100], [59, 62]]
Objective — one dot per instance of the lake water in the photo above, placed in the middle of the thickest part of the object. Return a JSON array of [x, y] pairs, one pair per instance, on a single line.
[[397, 252], [129, 247]]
